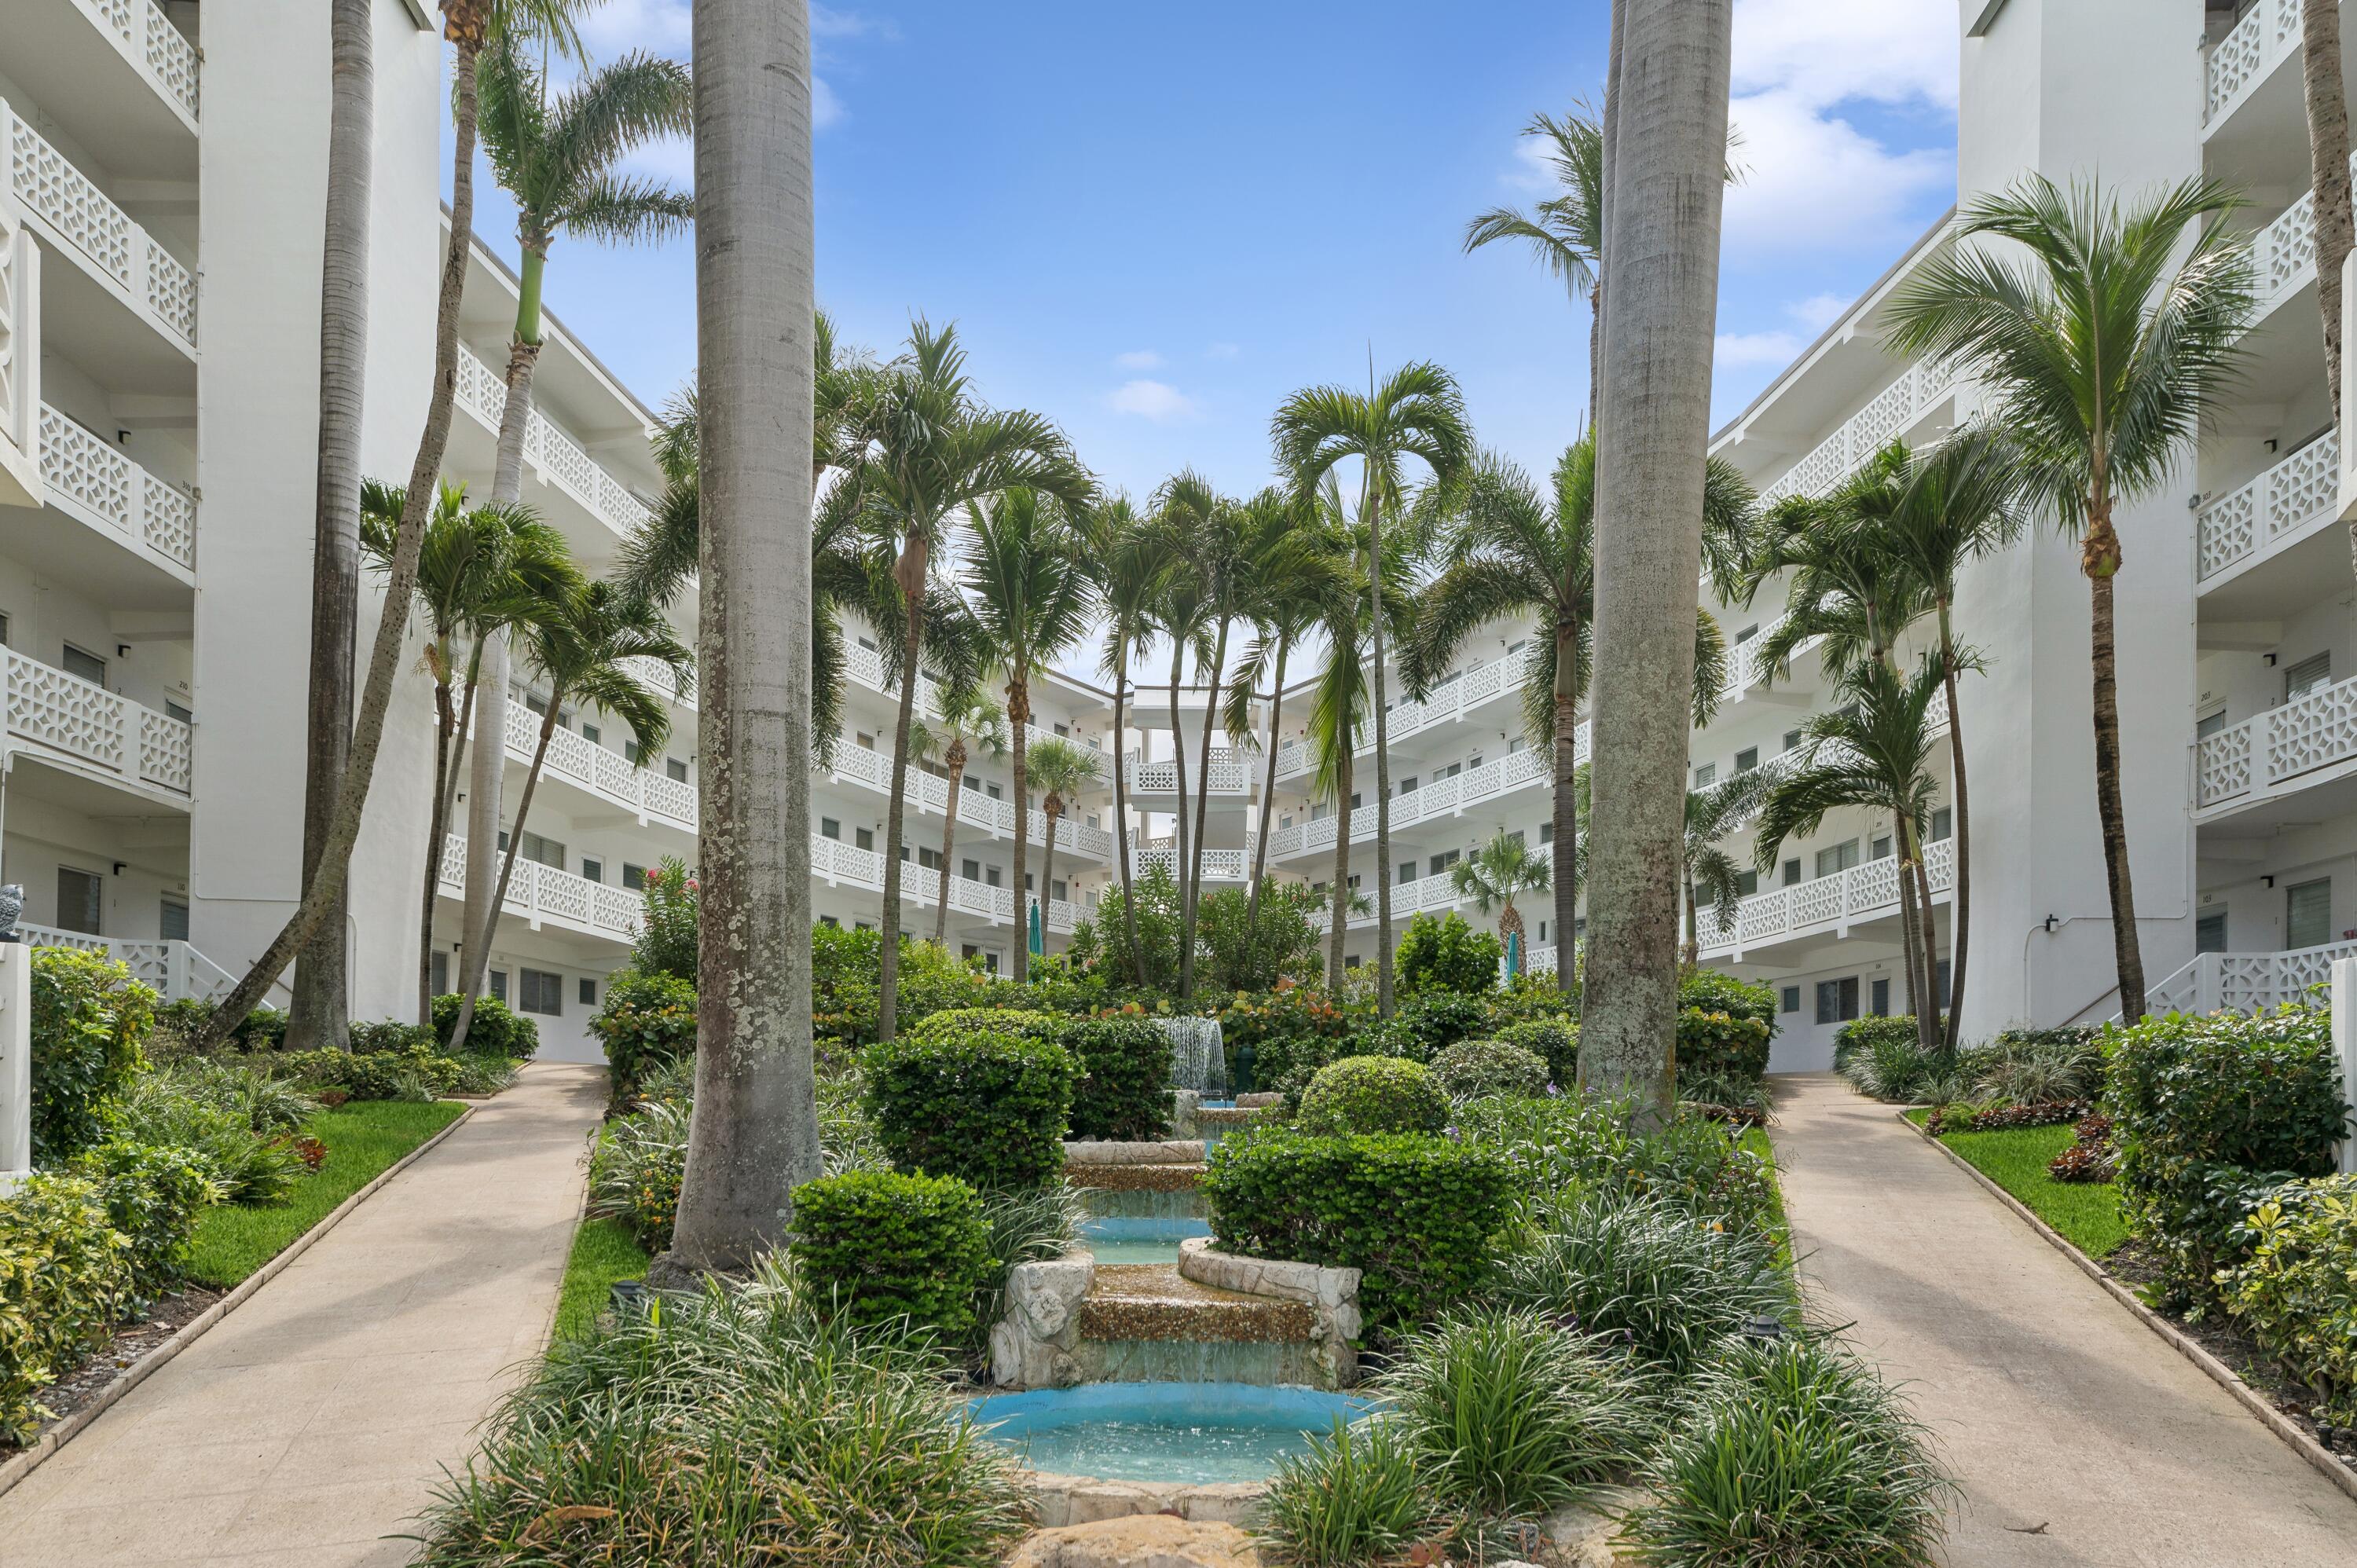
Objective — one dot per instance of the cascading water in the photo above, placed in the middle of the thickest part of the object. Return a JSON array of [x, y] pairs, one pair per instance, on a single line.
[[1199, 1058]]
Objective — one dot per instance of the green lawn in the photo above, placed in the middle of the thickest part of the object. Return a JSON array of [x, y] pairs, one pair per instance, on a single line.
[[362, 1139], [2087, 1214], [604, 1251]]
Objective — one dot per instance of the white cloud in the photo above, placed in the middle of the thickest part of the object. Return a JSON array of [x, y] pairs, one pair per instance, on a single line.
[[620, 25], [1156, 401], [1533, 168], [1138, 359], [826, 109], [1818, 311], [826, 22], [1223, 351], [1829, 51], [617, 27], [1733, 350]]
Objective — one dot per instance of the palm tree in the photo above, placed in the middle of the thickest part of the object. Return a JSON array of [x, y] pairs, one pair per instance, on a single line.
[[582, 641], [478, 567], [556, 157], [1566, 231], [2328, 153], [755, 1133], [1664, 200], [1873, 751], [1707, 869], [1497, 871], [932, 448], [1959, 504], [1129, 568], [1027, 574], [1417, 415], [2098, 350], [1061, 771], [966, 721], [1181, 612]]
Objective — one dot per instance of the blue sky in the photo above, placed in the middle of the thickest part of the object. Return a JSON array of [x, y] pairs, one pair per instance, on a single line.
[[1151, 224]]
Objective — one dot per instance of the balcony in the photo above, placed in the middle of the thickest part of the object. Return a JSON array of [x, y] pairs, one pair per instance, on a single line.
[[545, 896], [556, 457], [2245, 982], [92, 481], [2307, 740], [655, 675], [1828, 906], [835, 862], [90, 730], [2266, 37], [1916, 396], [2288, 503], [606, 774], [175, 970], [930, 792], [146, 39], [1439, 798], [72, 215], [1452, 698], [1231, 775], [20, 366], [1219, 865]]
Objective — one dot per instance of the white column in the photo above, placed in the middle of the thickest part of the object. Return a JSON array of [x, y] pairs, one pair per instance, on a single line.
[[15, 1063]]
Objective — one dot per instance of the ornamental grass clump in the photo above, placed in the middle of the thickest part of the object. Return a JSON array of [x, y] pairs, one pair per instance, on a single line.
[[1791, 1452], [1373, 1094], [1357, 1496], [1511, 1414], [745, 1425]]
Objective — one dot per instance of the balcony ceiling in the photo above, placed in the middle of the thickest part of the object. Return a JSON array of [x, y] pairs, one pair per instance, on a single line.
[[111, 571], [88, 326], [95, 95], [2262, 144], [161, 817]]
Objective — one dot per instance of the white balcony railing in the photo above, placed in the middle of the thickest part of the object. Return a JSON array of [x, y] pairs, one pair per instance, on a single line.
[[657, 676], [2266, 753], [654, 797], [1232, 774], [835, 862], [149, 38], [2246, 981], [872, 769], [67, 717], [1832, 902], [94, 481], [1452, 698], [79, 217], [20, 360], [484, 393], [1890, 413], [2285, 502], [542, 895], [1219, 865], [172, 967], [1437, 798], [2267, 34]]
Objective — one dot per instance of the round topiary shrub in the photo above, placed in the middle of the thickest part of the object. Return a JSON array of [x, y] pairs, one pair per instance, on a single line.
[[648, 1022], [1556, 1040], [1472, 1068], [886, 1246], [90, 1019], [1021, 1021], [1125, 1086], [986, 1106], [1373, 1094], [1721, 1046]]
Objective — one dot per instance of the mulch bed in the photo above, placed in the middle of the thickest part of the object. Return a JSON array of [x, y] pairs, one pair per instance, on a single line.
[[132, 1341]]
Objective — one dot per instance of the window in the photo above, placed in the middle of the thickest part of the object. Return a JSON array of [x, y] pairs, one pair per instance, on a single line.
[[1881, 847], [2210, 931], [1064, 730], [2208, 724], [83, 666], [535, 702], [1546, 832], [1939, 981], [80, 896], [634, 877], [542, 851], [863, 925], [1747, 883], [829, 828], [4, 631], [1747, 634], [588, 993], [172, 919], [1407, 785], [499, 983], [1516, 836], [991, 875], [1881, 1002], [930, 858], [1836, 1000], [1406, 871], [973, 871], [1944, 824], [542, 992], [1791, 740], [441, 968], [592, 733], [1792, 999], [630, 752], [1441, 862], [866, 741], [1833, 861], [863, 838], [173, 710], [1746, 760], [1060, 891], [1705, 775], [2308, 914], [2299, 680], [676, 769], [1791, 875], [592, 868], [1542, 926]]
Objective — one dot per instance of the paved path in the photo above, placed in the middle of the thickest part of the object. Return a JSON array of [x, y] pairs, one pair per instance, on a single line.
[[314, 1419], [2054, 1405]]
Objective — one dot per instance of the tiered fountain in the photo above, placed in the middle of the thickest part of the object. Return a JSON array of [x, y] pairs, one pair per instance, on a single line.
[[1166, 1374]]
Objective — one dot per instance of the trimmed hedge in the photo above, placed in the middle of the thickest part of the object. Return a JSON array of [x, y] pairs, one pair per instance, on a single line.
[[1416, 1213], [1556, 1040], [2297, 1289], [1125, 1086], [648, 1021], [66, 1275], [887, 1245], [1373, 1094], [90, 1020], [987, 1107], [1721, 1046], [2210, 1112], [1444, 953], [496, 1029], [1471, 1068], [1716, 993], [1859, 1036], [153, 1196]]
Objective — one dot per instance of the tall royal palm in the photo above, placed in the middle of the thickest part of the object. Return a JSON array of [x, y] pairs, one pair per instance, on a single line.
[[966, 723], [1028, 580], [1492, 875], [478, 568], [1061, 771], [555, 154], [1415, 418], [2327, 97], [2098, 343], [1128, 561], [1224, 546], [1181, 614], [1565, 231], [932, 450]]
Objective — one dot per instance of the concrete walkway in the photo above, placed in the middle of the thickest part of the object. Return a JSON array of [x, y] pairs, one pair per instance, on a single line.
[[2055, 1408], [316, 1419]]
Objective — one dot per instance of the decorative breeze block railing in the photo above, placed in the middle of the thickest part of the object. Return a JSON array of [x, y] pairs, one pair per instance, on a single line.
[[2288, 500], [2246, 981], [1862, 892], [604, 772], [832, 861], [83, 217], [544, 893], [1451, 698], [2265, 752], [64, 713], [94, 480], [2268, 32], [1897, 408], [484, 392]]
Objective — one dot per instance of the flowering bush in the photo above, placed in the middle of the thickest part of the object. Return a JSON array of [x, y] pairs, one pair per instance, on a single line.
[[648, 1021], [666, 943]]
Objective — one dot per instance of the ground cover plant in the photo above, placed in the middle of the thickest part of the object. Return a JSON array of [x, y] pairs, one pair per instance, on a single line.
[[2086, 1215]]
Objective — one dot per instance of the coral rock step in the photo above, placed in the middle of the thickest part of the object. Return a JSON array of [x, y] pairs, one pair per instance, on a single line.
[[1137, 1177], [1153, 1301]]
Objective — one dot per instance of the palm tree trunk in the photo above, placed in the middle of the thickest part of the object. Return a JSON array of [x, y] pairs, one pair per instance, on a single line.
[[1053, 808], [486, 778], [1917, 882], [1668, 122], [1121, 811], [910, 568], [1694, 934], [1178, 763], [754, 1137], [2128, 952], [1268, 805], [321, 1015], [322, 898], [2328, 149], [1373, 514], [1915, 938], [1202, 806], [1018, 720], [1341, 927], [949, 842], [445, 724], [507, 861], [445, 807], [1960, 899], [1567, 802]]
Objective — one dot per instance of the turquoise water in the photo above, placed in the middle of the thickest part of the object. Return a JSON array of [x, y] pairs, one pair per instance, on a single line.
[[1140, 1238], [1197, 1432]]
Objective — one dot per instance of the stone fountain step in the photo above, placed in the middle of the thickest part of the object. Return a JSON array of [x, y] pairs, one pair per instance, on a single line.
[[1109, 1152], [1155, 1301], [1170, 1175]]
